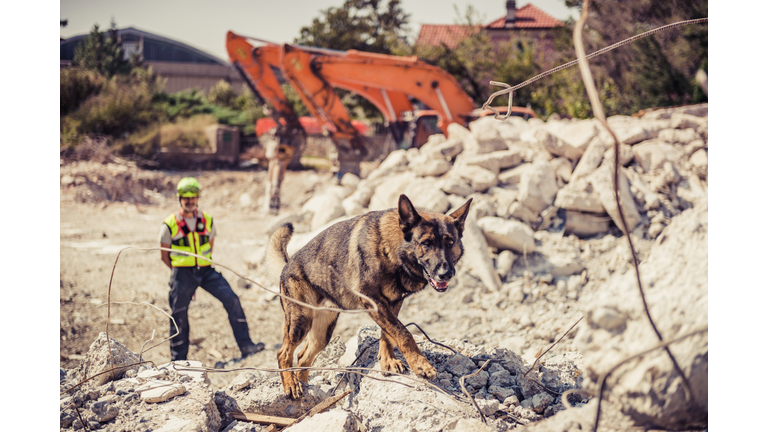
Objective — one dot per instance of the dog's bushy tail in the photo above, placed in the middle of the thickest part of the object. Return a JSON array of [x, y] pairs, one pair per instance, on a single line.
[[277, 251]]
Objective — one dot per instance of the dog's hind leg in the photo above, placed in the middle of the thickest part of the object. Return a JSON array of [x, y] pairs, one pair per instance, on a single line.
[[320, 334]]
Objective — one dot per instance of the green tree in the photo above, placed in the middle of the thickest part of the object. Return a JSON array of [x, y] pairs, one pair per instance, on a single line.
[[364, 25], [103, 53], [658, 70]]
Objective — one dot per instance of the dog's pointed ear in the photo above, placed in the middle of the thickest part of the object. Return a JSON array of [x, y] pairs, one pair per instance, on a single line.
[[460, 216], [409, 217]]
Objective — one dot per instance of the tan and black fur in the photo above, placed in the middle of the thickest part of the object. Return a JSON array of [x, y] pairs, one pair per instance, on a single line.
[[386, 255]]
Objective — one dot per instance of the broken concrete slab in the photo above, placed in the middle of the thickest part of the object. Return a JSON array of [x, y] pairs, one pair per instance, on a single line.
[[333, 420], [442, 150], [602, 182], [395, 162], [507, 234], [679, 136], [576, 197], [514, 175], [478, 178], [477, 258], [428, 167], [157, 391], [537, 188], [652, 154], [557, 146], [487, 137], [585, 224], [591, 158]]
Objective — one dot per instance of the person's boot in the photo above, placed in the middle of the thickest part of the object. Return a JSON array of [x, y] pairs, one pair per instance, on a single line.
[[251, 348]]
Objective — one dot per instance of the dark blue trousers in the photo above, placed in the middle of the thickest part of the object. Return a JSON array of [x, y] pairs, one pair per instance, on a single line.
[[184, 282]]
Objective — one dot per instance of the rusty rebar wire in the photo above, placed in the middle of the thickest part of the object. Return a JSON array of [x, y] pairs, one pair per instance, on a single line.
[[564, 397], [468, 395], [153, 331], [85, 425], [429, 339], [597, 109]]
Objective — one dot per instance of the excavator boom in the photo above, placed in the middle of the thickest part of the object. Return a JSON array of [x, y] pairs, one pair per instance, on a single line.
[[389, 82]]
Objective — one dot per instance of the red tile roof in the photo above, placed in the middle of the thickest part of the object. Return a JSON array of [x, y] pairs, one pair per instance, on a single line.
[[450, 35], [527, 17]]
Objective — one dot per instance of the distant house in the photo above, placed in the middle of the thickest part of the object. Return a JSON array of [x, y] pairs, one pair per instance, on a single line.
[[183, 66], [528, 23]]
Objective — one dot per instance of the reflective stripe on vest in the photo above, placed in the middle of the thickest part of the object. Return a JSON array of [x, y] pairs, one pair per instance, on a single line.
[[190, 239]]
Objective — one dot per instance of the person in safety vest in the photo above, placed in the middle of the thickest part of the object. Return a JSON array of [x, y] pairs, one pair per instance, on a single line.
[[192, 230]]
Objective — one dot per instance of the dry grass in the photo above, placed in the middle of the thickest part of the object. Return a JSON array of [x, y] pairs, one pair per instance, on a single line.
[[186, 133]]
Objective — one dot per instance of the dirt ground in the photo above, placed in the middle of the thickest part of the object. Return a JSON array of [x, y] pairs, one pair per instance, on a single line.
[[92, 234]]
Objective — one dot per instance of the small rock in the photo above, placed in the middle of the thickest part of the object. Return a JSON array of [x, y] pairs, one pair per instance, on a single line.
[[504, 262], [512, 401], [460, 365], [609, 319], [488, 406], [539, 402], [478, 381]]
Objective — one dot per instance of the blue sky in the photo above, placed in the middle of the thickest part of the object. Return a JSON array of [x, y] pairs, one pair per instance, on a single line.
[[204, 24]]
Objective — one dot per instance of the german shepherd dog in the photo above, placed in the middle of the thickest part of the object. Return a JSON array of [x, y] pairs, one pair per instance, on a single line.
[[387, 256]]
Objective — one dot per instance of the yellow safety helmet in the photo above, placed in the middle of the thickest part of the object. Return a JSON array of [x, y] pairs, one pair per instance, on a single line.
[[188, 187]]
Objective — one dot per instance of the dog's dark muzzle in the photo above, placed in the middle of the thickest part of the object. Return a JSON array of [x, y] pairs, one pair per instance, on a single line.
[[443, 274]]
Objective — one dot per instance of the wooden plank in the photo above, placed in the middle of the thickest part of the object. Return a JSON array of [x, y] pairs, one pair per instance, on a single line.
[[263, 419], [322, 406], [283, 421]]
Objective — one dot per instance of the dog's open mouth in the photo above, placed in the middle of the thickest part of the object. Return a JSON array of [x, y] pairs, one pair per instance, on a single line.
[[438, 286]]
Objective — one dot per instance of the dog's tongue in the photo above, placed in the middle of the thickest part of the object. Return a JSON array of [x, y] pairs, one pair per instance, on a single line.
[[441, 285]]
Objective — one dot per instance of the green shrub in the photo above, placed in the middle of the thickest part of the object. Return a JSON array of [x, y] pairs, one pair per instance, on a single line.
[[222, 94], [75, 86]]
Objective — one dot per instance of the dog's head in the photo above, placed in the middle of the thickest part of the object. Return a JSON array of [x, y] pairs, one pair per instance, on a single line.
[[432, 241]]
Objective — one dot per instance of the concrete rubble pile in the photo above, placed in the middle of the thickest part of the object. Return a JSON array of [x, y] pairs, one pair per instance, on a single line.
[[139, 398], [542, 248], [499, 390], [532, 177]]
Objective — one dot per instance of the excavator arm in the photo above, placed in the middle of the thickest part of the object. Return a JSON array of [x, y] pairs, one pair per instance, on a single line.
[[404, 75], [255, 65]]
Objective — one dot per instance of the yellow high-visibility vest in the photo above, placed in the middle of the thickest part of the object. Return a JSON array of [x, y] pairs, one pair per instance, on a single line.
[[190, 239]]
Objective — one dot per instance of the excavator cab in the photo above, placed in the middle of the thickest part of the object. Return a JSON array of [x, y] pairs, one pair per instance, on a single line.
[[424, 124]]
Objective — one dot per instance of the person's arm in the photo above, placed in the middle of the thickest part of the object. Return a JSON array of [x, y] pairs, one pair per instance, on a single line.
[[166, 255], [211, 242]]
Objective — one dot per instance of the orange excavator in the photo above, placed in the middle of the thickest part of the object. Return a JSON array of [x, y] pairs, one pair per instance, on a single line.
[[390, 83]]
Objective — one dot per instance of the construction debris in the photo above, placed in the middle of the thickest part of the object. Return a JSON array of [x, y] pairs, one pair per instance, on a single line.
[[543, 250]]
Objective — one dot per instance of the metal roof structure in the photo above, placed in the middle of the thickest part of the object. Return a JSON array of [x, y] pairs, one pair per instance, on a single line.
[[152, 47]]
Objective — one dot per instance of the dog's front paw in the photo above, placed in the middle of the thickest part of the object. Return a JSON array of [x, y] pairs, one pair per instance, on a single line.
[[392, 365], [292, 386], [423, 368]]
